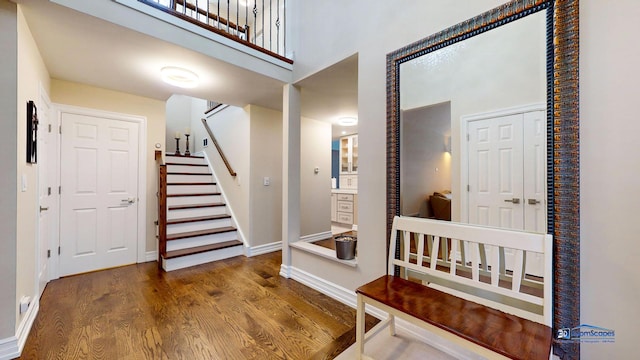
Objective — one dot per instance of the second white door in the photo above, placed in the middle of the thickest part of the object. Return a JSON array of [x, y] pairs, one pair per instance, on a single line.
[[99, 179]]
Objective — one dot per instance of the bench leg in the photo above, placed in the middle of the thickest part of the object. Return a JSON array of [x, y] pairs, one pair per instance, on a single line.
[[360, 328], [392, 325]]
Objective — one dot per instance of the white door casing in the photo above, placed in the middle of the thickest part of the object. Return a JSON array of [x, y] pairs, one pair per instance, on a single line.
[[102, 223], [47, 189]]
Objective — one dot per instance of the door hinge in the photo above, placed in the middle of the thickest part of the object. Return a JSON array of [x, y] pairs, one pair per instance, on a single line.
[[59, 190], [48, 254], [58, 250], [49, 190], [468, 188], [468, 137], [60, 129], [49, 127]]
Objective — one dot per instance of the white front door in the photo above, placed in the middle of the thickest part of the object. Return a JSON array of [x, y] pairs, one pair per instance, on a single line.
[[495, 172], [99, 179]]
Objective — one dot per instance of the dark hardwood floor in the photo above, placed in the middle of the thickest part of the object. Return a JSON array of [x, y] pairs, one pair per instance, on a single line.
[[238, 308]]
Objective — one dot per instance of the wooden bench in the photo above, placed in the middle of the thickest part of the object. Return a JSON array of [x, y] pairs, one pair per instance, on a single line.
[[466, 284]]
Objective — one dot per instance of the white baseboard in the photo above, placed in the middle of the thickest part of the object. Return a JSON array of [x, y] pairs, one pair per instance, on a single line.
[[151, 256], [11, 348], [315, 237], [263, 249], [348, 297], [285, 271]]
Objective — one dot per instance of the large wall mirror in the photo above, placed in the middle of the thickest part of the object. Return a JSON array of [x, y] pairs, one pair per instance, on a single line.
[[483, 128]]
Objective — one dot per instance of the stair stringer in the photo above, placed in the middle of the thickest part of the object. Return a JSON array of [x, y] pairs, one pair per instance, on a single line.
[[240, 232]]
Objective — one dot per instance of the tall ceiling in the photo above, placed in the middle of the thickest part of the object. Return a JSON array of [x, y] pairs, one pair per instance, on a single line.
[[81, 48]]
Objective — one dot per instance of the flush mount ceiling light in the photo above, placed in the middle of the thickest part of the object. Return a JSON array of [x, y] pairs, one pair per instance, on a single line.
[[179, 77], [347, 121]]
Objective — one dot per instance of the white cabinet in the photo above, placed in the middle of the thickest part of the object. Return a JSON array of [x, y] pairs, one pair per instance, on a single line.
[[349, 162], [345, 208]]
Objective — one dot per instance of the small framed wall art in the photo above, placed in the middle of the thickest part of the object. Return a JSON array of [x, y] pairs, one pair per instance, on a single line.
[[32, 132]]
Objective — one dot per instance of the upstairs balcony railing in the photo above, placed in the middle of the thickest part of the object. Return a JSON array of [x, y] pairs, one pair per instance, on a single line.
[[259, 24]]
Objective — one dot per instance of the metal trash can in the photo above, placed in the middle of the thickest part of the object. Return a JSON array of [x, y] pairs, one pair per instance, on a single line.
[[346, 247]]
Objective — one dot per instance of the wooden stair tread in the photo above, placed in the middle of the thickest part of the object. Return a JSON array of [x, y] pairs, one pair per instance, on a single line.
[[201, 249], [198, 218], [193, 194], [195, 206], [187, 173], [190, 234], [183, 156], [191, 183], [181, 164], [500, 332]]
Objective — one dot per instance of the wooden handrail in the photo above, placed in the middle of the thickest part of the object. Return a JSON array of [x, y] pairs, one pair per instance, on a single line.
[[162, 207], [215, 142]]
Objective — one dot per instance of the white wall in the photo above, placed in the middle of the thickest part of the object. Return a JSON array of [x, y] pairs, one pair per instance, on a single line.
[[178, 115], [31, 75], [8, 163], [266, 161], [70, 93], [231, 127], [508, 61], [609, 173], [315, 189], [424, 164], [325, 36]]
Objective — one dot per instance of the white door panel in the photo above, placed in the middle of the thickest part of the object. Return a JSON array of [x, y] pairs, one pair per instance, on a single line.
[[99, 193], [494, 162]]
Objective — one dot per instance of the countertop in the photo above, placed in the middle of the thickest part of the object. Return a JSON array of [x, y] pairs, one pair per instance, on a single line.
[[344, 191]]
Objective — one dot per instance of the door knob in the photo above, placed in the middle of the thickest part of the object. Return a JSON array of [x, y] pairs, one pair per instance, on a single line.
[[533, 201], [42, 208], [514, 200], [129, 201]]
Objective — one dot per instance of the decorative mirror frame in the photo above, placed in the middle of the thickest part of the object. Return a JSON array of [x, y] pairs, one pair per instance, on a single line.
[[563, 168]]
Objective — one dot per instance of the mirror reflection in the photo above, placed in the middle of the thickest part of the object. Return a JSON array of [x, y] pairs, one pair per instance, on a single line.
[[473, 129]]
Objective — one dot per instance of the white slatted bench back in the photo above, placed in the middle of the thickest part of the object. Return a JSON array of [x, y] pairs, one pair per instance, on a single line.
[[485, 245]]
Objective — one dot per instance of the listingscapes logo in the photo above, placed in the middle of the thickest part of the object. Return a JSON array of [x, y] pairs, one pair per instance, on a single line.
[[588, 334]]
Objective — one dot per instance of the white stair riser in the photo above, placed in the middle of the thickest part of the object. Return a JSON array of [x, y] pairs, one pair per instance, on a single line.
[[184, 160], [201, 240], [172, 178], [188, 213], [202, 258], [191, 189], [193, 200], [198, 225], [188, 169]]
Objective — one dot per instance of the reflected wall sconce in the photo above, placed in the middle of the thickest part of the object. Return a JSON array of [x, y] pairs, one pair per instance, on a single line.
[[447, 143]]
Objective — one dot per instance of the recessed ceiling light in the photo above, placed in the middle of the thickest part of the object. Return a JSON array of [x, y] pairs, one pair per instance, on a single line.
[[180, 77], [347, 121]]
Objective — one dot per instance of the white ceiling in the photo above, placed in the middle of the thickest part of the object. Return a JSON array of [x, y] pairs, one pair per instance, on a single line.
[[81, 48], [332, 93]]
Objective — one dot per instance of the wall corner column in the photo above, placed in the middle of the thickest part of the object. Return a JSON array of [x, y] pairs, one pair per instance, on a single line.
[[290, 173]]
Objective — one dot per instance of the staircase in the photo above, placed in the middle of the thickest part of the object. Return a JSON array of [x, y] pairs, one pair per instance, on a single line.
[[198, 227]]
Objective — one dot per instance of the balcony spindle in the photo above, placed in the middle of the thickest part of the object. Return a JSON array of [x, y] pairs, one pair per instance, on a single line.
[[263, 27], [218, 14], [255, 22], [228, 13], [278, 29], [246, 22], [238, 18]]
